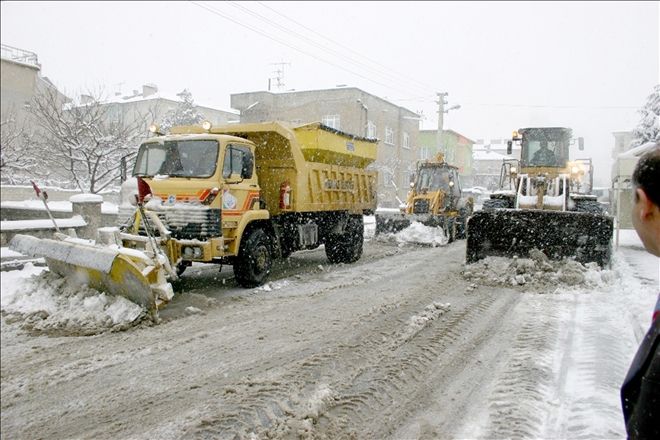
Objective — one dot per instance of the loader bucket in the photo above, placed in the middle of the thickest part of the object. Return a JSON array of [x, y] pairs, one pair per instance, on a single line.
[[101, 268], [584, 236], [390, 223]]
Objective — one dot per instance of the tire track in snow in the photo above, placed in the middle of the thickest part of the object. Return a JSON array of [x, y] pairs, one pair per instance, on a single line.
[[338, 391]]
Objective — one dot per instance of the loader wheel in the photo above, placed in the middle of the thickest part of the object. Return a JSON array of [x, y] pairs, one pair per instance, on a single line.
[[491, 204], [449, 230], [347, 247], [591, 206], [252, 266], [461, 226]]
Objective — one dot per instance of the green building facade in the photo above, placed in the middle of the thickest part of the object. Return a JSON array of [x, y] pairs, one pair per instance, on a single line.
[[458, 149]]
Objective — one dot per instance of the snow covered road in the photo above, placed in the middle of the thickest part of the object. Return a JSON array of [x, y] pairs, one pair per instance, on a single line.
[[399, 345]]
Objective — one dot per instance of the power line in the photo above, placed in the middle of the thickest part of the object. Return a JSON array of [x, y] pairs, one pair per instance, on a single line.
[[361, 56], [592, 107], [284, 43], [384, 74]]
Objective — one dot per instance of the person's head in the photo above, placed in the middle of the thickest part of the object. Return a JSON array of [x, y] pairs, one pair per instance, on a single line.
[[646, 209], [544, 145]]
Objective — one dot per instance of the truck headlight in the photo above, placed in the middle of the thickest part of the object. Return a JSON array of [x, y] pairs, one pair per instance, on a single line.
[[206, 125], [575, 169], [514, 170]]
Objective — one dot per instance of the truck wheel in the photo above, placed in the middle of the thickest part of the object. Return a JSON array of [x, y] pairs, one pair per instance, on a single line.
[[347, 247], [181, 267], [252, 266]]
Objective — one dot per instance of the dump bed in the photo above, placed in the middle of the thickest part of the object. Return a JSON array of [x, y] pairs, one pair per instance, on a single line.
[[325, 168]]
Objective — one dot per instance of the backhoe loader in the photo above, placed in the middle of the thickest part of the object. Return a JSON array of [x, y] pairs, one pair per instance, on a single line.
[[434, 199]]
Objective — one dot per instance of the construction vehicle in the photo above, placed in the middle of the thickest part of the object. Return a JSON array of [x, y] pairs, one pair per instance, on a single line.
[[435, 199], [242, 194], [545, 202]]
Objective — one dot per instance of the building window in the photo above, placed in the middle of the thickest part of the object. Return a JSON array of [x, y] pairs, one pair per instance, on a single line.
[[389, 136], [331, 121], [371, 130], [406, 140], [424, 153]]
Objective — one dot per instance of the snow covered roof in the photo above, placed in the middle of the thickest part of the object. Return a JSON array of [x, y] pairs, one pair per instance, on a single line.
[[638, 151], [488, 155], [139, 96]]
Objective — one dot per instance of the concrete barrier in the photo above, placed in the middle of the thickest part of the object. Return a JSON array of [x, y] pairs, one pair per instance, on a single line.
[[83, 220]]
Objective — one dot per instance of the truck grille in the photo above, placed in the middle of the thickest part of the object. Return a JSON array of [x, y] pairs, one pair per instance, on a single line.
[[190, 224], [421, 206]]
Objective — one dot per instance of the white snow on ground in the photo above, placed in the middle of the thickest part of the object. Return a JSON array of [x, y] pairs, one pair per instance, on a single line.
[[417, 233], [45, 302], [583, 334]]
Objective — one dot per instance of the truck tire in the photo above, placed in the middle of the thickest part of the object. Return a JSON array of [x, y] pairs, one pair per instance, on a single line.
[[181, 267], [254, 261], [347, 247]]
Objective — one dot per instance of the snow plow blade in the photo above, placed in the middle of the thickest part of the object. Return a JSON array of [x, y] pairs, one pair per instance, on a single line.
[[559, 234], [102, 268]]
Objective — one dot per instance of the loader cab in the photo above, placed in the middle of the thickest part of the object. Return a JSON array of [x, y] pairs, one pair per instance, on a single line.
[[438, 178], [546, 147]]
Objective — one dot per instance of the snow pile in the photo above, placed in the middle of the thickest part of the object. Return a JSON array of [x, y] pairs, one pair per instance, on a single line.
[[269, 287], [417, 323], [537, 271], [418, 233], [45, 302]]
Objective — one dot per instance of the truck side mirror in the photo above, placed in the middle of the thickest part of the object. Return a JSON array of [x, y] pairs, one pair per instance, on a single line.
[[580, 143], [509, 147], [248, 165]]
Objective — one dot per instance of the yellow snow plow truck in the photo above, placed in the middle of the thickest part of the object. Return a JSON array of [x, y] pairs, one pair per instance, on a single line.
[[242, 194], [434, 200], [545, 201]]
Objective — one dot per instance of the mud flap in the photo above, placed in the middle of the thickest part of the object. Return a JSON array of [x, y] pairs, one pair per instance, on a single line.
[[584, 236], [101, 268]]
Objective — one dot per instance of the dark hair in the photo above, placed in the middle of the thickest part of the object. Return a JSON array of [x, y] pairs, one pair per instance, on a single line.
[[647, 174]]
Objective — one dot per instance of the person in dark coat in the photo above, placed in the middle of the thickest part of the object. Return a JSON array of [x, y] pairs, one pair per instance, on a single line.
[[544, 156], [640, 392]]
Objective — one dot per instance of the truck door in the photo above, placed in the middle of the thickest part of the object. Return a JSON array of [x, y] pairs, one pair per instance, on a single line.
[[240, 190]]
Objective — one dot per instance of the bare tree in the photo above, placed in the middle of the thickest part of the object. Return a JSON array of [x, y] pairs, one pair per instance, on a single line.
[[16, 162], [84, 141]]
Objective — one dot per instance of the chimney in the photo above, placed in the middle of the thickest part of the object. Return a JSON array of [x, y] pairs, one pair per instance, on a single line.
[[148, 90]]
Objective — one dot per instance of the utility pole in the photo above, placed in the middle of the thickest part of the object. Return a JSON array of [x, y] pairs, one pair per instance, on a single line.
[[441, 115]]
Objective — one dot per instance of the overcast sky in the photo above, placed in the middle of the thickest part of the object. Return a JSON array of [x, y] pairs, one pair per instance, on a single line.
[[586, 65]]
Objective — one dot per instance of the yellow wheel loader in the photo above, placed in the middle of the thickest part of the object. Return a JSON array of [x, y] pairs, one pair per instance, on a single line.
[[434, 199], [545, 202]]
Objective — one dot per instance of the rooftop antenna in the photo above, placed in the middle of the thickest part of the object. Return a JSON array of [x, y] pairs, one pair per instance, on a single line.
[[279, 76]]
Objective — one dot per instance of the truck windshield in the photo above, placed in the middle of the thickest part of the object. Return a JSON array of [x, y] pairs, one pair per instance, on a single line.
[[433, 179], [193, 158]]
